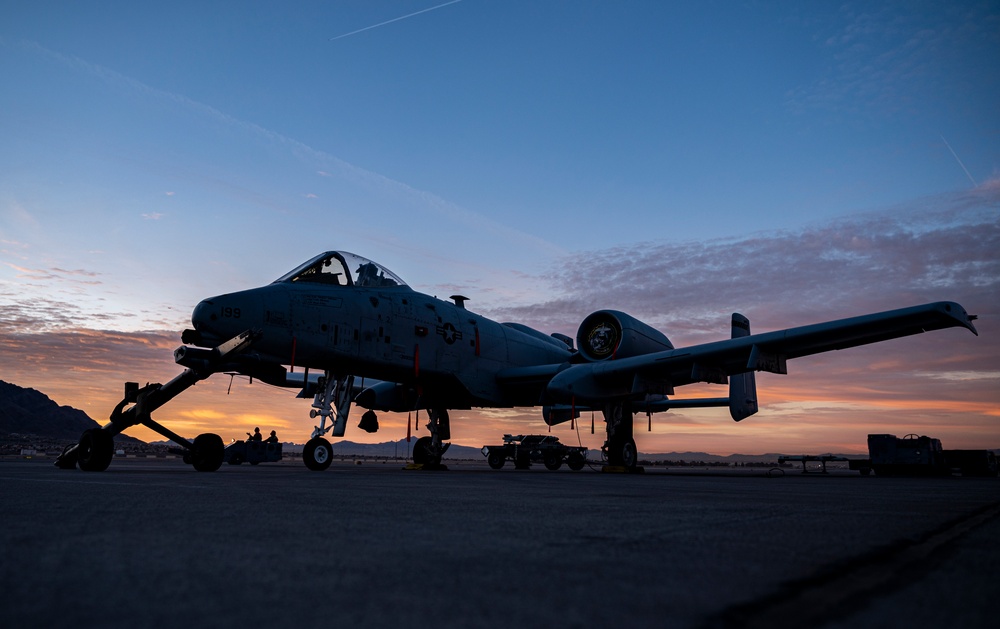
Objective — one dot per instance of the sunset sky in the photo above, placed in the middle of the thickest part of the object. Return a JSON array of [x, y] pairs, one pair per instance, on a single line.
[[796, 162]]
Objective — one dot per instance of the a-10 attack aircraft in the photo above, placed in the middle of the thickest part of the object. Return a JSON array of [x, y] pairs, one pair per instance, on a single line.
[[358, 334]]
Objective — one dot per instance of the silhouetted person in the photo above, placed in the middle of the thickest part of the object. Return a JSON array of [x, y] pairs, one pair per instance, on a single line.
[[256, 435], [272, 439]]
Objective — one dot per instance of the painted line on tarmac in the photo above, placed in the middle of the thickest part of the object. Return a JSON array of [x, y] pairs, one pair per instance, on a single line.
[[840, 590], [100, 482]]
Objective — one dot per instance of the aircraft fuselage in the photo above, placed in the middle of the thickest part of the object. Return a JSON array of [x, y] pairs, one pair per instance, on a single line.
[[388, 333]]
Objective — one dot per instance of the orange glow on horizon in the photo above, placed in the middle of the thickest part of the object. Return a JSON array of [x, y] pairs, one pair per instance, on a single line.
[[829, 405]]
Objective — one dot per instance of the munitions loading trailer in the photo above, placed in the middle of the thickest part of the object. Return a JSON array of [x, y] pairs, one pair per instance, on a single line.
[[525, 450]]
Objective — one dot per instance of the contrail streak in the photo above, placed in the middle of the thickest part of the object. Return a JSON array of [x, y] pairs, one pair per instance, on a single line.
[[368, 28], [967, 174]]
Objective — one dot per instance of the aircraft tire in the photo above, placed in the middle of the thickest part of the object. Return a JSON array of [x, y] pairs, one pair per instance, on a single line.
[[552, 461], [576, 461], [317, 454], [422, 453], [629, 453], [95, 450], [496, 460], [623, 453], [208, 452]]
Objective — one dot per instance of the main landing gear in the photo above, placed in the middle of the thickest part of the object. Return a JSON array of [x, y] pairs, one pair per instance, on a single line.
[[427, 451], [94, 451], [619, 448]]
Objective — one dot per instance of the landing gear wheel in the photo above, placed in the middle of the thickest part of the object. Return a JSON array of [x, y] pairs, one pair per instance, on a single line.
[[423, 453], [552, 461], [95, 450], [496, 460], [208, 452], [629, 454], [318, 454], [622, 453], [576, 461]]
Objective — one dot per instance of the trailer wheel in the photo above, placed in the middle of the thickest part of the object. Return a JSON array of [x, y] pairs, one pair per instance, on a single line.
[[576, 461], [496, 460], [208, 452], [95, 450], [552, 461]]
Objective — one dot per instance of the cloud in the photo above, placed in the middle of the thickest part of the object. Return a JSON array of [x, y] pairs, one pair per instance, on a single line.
[[56, 274], [152, 216], [941, 248], [895, 56]]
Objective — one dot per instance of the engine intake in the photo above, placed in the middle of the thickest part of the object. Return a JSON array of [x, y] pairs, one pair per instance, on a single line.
[[608, 334]]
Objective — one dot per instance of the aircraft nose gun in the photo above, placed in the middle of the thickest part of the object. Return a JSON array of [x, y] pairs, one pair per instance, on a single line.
[[195, 357]]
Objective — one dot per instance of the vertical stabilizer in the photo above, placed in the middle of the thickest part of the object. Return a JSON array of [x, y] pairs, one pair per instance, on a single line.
[[742, 386]]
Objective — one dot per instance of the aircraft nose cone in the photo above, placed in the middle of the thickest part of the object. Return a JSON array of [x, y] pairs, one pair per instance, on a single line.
[[222, 317], [203, 316]]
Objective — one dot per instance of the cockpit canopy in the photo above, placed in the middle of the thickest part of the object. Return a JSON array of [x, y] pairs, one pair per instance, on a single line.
[[340, 268]]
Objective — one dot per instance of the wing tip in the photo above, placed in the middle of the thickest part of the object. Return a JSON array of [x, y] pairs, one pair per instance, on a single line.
[[957, 313]]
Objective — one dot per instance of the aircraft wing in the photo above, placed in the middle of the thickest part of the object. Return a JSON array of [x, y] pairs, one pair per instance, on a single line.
[[713, 362]]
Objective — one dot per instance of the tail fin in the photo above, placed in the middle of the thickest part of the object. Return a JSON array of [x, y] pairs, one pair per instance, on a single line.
[[742, 386]]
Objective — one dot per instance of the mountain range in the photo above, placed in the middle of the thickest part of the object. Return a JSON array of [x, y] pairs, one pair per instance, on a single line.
[[28, 413]]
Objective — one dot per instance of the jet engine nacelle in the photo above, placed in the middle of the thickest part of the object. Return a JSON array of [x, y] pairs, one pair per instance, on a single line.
[[608, 334]]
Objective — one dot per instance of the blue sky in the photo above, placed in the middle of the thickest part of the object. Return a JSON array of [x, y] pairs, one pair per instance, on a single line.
[[517, 152]]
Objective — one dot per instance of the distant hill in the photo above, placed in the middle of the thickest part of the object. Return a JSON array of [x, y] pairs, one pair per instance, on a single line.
[[30, 413]]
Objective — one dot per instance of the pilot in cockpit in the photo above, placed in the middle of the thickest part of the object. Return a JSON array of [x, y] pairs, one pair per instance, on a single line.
[[369, 274]]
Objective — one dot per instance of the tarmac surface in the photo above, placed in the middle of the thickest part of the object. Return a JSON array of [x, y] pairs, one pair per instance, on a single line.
[[152, 543]]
